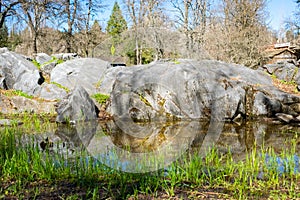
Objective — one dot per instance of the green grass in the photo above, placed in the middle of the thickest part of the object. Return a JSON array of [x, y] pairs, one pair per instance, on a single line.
[[53, 59], [100, 98], [27, 172], [61, 86], [11, 93]]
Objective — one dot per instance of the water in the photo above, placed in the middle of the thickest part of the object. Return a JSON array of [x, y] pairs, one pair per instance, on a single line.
[[145, 147]]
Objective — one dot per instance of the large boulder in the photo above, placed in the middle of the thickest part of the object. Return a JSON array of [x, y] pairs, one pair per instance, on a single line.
[[86, 72], [18, 73], [196, 90], [76, 106]]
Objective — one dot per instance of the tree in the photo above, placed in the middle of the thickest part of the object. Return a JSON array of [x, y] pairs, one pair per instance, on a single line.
[[3, 36], [116, 23], [7, 9], [245, 31], [34, 13], [147, 19], [192, 19], [292, 25], [75, 17]]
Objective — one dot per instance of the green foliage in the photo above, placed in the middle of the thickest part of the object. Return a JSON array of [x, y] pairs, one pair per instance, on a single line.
[[112, 50], [10, 93], [3, 36], [116, 23], [14, 40], [100, 98], [61, 86], [38, 65], [53, 59], [147, 56]]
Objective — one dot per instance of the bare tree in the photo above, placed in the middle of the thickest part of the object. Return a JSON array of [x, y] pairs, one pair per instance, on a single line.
[[75, 17], [34, 13], [191, 18], [245, 31], [7, 9], [88, 8]]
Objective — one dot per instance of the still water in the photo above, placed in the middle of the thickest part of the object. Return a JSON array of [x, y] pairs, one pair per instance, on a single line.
[[145, 147]]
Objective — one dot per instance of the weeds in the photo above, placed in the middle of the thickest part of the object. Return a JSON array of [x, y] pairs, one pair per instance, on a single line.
[[100, 98]]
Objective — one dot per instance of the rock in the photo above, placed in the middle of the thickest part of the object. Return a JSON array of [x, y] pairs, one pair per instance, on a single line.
[[285, 117], [47, 68], [66, 56], [283, 71], [42, 58], [8, 122], [195, 90], [51, 92], [19, 104], [86, 72], [107, 79], [76, 106], [18, 73]]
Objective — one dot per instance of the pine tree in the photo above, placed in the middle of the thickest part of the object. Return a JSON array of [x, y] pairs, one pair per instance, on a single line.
[[116, 23]]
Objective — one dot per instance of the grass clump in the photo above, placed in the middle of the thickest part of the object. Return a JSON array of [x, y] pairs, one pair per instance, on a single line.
[[11, 93], [100, 98], [61, 86], [53, 60]]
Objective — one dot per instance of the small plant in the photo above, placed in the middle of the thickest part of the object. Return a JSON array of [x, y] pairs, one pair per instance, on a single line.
[[61, 86], [100, 98], [53, 59], [11, 93], [38, 65]]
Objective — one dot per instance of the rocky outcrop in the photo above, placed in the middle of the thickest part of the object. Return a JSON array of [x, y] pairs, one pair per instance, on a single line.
[[18, 73], [287, 72], [86, 72], [197, 90], [76, 106]]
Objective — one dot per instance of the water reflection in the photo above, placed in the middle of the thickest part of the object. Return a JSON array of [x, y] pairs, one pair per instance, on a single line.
[[160, 144]]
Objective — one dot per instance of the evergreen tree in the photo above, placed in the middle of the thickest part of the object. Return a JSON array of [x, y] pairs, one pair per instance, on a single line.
[[3, 36], [116, 23]]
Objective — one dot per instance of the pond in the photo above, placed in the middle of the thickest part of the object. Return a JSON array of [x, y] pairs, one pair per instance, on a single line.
[[145, 147]]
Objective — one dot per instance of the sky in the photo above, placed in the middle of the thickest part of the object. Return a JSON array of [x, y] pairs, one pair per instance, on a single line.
[[279, 10]]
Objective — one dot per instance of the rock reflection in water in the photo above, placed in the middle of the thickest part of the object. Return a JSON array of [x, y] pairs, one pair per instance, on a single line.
[[163, 143]]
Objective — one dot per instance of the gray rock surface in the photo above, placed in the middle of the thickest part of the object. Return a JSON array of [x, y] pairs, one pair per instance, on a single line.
[[51, 92], [108, 78], [283, 71], [19, 104], [42, 58], [66, 56], [18, 73], [76, 106], [196, 90], [86, 72]]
